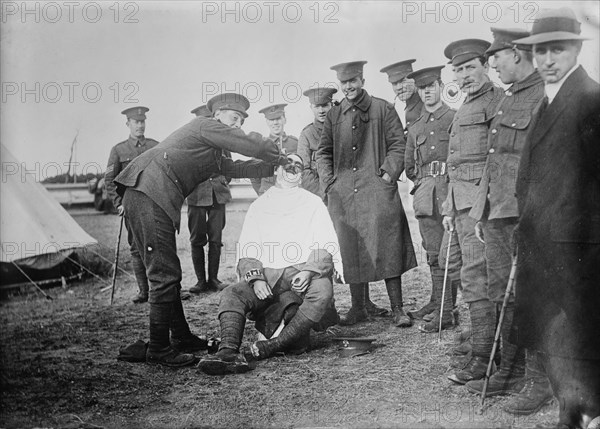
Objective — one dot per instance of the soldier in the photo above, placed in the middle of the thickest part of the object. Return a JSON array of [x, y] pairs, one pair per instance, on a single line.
[[558, 235], [121, 155], [206, 220], [276, 120], [154, 187], [360, 158], [425, 160], [320, 100], [495, 207], [466, 158], [405, 90]]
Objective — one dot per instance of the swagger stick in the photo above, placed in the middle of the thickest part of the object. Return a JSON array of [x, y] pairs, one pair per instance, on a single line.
[[444, 285], [114, 278]]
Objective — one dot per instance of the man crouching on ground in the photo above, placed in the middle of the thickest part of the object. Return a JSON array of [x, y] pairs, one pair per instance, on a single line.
[[287, 252]]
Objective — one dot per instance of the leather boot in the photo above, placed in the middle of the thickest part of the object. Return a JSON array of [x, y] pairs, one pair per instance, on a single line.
[[182, 339], [372, 309], [198, 260], [290, 335], [483, 323], [394, 290], [227, 360], [447, 319], [437, 282], [357, 312], [159, 350], [142, 280], [214, 260], [536, 391], [511, 372]]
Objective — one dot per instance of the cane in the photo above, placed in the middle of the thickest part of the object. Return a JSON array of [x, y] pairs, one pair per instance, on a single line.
[[444, 285], [114, 277], [509, 286]]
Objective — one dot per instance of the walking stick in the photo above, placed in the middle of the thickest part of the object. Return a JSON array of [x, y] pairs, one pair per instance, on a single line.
[[444, 285], [509, 286], [114, 277]]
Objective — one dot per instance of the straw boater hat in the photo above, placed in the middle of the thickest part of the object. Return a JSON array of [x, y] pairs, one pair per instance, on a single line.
[[551, 25]]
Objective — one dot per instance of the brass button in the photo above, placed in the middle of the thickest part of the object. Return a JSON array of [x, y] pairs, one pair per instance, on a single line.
[[354, 169], [356, 190], [492, 150], [499, 112], [432, 133], [432, 147], [494, 131], [353, 147]]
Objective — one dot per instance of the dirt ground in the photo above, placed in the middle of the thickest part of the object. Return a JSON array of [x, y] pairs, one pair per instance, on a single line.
[[59, 366]]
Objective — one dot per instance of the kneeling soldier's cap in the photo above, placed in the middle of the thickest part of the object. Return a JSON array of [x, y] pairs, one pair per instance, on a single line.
[[504, 37], [398, 71], [347, 71], [350, 347], [202, 111], [426, 76], [320, 95], [138, 113], [273, 112], [553, 24], [229, 101], [464, 50]]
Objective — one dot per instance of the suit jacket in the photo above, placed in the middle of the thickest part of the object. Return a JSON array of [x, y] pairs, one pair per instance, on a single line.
[[170, 171], [558, 194]]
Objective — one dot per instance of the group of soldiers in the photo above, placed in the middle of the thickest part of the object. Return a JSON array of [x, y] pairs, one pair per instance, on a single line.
[[509, 179]]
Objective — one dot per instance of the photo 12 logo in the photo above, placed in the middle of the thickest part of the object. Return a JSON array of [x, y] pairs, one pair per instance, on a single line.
[[71, 92], [269, 12], [69, 11]]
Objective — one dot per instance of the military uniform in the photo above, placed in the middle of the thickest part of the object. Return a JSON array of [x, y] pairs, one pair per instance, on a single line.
[[307, 149], [286, 144], [412, 111], [120, 156]]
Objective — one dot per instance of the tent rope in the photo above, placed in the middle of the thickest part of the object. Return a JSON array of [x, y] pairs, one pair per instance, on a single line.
[[87, 270], [31, 281], [112, 263]]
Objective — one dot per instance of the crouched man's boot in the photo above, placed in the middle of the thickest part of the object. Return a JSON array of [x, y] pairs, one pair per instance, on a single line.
[[510, 375], [483, 324], [159, 350], [182, 339], [228, 360], [142, 280], [394, 290], [357, 312], [536, 391], [294, 332]]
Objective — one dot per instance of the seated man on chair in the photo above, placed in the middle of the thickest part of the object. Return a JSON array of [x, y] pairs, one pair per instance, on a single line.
[[287, 253]]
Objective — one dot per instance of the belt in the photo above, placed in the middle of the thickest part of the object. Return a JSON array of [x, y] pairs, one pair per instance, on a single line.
[[433, 168]]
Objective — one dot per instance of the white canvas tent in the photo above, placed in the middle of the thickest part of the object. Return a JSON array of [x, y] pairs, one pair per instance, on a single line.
[[36, 232]]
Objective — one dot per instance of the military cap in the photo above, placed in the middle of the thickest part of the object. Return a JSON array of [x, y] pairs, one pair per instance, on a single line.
[[320, 95], [138, 113], [273, 112], [229, 101], [426, 76], [347, 71], [503, 39], [351, 347], [464, 50], [202, 111], [553, 24], [398, 71]]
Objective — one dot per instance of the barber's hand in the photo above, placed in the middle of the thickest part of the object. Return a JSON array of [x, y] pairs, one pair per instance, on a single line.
[[269, 151], [479, 231], [448, 223], [121, 210], [262, 290], [301, 281]]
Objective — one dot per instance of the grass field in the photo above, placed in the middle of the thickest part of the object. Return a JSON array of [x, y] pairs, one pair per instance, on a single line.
[[59, 366]]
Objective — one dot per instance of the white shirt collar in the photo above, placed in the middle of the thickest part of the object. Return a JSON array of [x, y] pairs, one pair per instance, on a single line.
[[553, 88]]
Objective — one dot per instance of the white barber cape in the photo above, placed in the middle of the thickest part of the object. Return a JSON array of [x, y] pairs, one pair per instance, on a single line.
[[284, 225]]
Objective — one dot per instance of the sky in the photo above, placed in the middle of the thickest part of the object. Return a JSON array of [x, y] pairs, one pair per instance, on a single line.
[[71, 67]]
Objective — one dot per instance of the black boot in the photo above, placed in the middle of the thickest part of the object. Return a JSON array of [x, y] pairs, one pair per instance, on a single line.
[[142, 280], [372, 309], [447, 319], [394, 290], [536, 391], [483, 323], [214, 260], [357, 312], [437, 281], [159, 350], [182, 339], [511, 372], [198, 260], [290, 335], [227, 360]]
